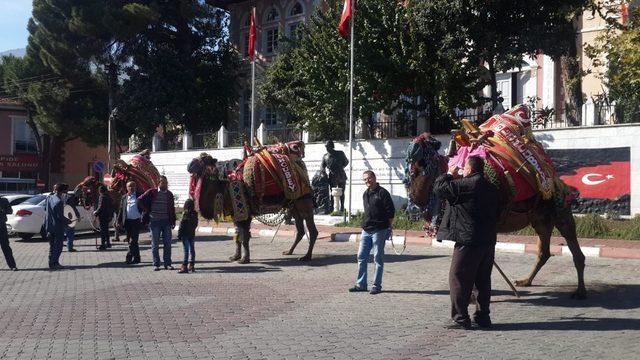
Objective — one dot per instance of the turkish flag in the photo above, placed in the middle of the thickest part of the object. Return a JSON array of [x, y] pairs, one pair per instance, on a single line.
[[610, 181], [343, 27], [252, 34]]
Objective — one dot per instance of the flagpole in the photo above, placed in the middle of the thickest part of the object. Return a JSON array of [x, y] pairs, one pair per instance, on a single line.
[[351, 24], [253, 89]]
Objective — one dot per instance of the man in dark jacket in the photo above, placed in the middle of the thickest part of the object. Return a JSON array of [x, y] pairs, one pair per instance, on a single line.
[[55, 224], [129, 220], [159, 212], [376, 229], [5, 209], [470, 220], [104, 212]]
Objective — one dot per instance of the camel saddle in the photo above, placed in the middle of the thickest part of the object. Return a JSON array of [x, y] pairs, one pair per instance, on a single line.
[[139, 170], [271, 175], [513, 158]]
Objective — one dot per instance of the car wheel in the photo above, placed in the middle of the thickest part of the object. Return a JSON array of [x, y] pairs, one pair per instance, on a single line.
[[25, 236]]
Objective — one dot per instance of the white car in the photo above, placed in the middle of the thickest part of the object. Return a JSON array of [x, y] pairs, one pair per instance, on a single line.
[[16, 199], [28, 217]]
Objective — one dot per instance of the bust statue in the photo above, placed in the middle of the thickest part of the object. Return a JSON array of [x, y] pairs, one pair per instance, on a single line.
[[335, 161]]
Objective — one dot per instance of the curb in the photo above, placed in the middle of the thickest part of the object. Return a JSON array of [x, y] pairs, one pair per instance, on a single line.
[[601, 251]]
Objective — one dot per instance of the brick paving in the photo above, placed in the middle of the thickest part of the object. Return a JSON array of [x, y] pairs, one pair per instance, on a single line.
[[278, 308]]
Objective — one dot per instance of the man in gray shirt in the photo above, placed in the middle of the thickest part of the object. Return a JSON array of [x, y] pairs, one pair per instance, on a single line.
[[158, 210]]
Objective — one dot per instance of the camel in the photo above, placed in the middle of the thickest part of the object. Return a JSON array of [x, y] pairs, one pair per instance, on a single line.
[[253, 189], [542, 209]]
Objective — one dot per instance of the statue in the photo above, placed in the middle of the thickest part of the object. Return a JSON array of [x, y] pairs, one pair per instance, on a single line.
[[321, 193], [336, 161]]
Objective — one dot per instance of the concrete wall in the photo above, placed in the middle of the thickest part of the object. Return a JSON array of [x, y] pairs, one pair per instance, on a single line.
[[386, 158]]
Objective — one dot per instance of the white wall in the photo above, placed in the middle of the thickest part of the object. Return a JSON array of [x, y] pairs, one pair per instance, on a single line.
[[386, 158]]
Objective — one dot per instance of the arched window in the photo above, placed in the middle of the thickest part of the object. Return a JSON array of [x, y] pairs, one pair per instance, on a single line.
[[272, 15], [296, 9]]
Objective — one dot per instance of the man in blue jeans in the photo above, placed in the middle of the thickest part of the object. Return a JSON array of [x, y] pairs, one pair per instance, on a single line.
[[159, 212], [376, 229]]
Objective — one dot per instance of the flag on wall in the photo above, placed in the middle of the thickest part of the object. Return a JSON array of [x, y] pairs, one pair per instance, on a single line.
[[343, 27], [252, 34]]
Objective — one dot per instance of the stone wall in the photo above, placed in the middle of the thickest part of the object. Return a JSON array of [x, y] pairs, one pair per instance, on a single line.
[[386, 159]]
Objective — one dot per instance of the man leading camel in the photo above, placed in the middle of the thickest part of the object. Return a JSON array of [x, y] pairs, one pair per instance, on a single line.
[[470, 219]]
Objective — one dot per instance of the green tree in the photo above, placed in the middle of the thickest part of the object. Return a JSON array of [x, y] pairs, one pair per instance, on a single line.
[[182, 71], [500, 32], [393, 67]]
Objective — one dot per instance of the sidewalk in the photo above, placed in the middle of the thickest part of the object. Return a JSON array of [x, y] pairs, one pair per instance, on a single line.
[[605, 248]]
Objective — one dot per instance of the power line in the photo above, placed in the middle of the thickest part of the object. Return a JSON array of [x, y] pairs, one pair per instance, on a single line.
[[51, 93], [11, 83]]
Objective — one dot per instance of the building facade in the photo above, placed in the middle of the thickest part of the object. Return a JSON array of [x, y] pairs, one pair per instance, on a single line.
[[27, 167]]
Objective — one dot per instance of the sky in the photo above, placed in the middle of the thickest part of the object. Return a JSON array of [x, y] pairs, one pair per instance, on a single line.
[[14, 16]]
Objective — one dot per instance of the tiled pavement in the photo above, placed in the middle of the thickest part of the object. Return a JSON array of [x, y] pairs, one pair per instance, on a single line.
[[278, 308]]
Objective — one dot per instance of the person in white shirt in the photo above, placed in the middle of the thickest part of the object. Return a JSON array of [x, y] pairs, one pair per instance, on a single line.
[[129, 220]]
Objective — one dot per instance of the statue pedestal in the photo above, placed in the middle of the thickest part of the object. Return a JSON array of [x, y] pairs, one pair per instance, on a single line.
[[337, 194]]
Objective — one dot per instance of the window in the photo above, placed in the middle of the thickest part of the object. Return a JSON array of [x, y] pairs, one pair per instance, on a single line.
[[270, 116], [272, 15], [271, 40], [24, 141], [246, 110], [296, 9], [292, 29]]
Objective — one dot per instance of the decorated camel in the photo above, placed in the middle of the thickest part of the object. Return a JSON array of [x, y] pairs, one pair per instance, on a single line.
[[269, 180], [139, 170], [531, 191]]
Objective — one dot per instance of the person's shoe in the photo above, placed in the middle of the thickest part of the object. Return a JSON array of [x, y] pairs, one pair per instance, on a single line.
[[482, 321], [109, 246], [192, 267], [156, 268], [14, 269], [455, 325], [169, 267], [101, 248], [72, 250], [183, 269], [375, 291], [136, 261], [56, 267], [357, 289]]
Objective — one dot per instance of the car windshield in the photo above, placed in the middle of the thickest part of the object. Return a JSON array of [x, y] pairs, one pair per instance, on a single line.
[[35, 200]]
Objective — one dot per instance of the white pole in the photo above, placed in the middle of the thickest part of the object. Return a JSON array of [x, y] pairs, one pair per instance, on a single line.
[[351, 110], [253, 89]]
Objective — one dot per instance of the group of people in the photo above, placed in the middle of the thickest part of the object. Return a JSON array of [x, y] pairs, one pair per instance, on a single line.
[[470, 220], [155, 208]]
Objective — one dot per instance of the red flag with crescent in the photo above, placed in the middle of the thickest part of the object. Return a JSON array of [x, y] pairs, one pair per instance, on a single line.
[[608, 181], [343, 27], [252, 34]]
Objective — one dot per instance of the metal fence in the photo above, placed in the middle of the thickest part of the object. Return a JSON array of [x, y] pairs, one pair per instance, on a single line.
[[207, 140], [282, 134]]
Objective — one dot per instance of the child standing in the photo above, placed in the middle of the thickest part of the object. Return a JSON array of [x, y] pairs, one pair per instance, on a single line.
[[187, 233]]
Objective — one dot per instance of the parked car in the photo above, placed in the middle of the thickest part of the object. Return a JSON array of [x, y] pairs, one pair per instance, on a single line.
[[16, 199], [28, 217]]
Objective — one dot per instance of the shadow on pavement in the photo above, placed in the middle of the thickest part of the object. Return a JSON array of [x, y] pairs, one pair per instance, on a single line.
[[446, 292], [578, 323], [606, 296], [237, 269], [326, 260]]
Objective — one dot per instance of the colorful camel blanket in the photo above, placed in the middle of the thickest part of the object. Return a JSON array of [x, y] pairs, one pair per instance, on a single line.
[[269, 174], [513, 157], [140, 170]]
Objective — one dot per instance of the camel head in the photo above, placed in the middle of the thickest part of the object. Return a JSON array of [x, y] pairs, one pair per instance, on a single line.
[[119, 177], [424, 165]]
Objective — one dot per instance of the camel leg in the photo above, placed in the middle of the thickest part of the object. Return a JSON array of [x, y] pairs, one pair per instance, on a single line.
[[567, 227], [246, 257], [236, 255], [544, 228], [299, 233], [313, 235]]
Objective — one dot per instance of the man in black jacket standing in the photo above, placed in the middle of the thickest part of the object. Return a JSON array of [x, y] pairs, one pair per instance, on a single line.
[[376, 229], [5, 209], [470, 220], [104, 212]]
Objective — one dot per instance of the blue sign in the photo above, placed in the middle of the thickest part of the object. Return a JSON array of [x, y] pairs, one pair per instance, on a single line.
[[98, 166]]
